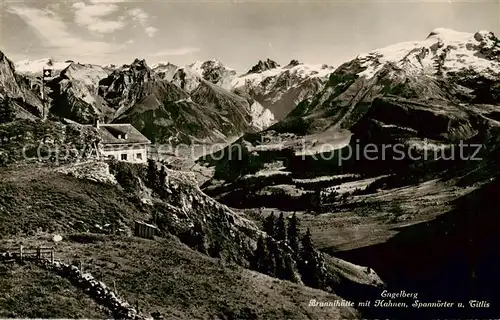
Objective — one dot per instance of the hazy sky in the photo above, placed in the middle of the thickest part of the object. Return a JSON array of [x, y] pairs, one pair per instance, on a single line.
[[238, 33]]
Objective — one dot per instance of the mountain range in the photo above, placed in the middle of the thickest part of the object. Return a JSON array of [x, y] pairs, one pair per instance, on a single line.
[[448, 67], [152, 97]]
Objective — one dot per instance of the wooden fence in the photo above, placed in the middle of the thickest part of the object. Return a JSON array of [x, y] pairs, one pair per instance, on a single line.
[[28, 253]]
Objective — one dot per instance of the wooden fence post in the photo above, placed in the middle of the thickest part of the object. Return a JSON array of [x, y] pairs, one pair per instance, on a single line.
[[21, 252], [52, 256]]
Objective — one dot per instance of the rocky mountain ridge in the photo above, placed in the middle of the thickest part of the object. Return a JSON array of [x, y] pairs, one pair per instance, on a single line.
[[18, 91]]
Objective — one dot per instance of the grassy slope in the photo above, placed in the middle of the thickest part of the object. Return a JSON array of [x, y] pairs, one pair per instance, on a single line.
[[36, 199], [167, 276], [31, 292]]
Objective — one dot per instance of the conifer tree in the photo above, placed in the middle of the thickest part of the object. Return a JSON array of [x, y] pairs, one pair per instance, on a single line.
[[269, 225], [261, 256], [279, 264], [162, 176], [152, 174], [307, 243], [310, 263], [293, 233], [272, 253], [280, 228], [288, 272], [316, 201]]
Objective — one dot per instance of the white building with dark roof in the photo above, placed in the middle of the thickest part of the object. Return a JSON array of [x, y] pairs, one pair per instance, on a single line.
[[123, 142]]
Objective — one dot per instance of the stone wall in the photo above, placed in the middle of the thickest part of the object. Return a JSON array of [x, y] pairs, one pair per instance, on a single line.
[[97, 290]]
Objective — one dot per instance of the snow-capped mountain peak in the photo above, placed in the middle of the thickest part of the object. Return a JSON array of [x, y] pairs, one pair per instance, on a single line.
[[165, 70], [265, 65], [163, 64], [280, 89], [36, 66], [203, 66], [139, 64], [88, 74], [443, 51], [292, 64], [211, 70], [298, 70], [449, 35]]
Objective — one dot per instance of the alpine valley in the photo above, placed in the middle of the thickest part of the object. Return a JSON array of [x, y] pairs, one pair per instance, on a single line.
[[289, 211]]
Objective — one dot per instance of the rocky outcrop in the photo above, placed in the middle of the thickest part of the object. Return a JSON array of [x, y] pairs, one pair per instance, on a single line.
[[129, 84], [293, 63], [186, 79], [244, 115], [92, 171], [179, 121], [17, 88]]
